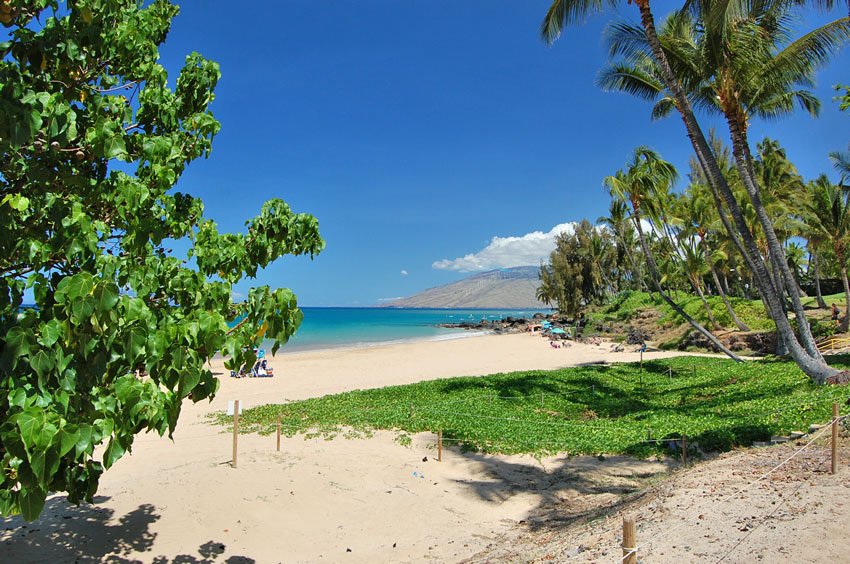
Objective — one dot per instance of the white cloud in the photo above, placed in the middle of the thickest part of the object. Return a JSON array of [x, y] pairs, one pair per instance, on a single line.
[[505, 252], [404, 273], [381, 300]]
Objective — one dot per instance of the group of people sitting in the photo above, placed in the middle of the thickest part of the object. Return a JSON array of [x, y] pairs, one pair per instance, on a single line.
[[260, 369]]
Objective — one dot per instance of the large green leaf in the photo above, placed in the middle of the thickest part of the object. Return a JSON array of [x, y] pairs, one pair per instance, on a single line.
[[31, 501], [42, 362], [105, 296]]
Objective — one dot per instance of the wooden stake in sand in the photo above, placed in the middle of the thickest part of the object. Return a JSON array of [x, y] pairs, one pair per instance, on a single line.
[[439, 446], [629, 538], [834, 437], [278, 433], [235, 430]]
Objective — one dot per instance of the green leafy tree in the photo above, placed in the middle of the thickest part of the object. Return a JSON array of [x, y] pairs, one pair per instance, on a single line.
[[576, 273], [92, 142]]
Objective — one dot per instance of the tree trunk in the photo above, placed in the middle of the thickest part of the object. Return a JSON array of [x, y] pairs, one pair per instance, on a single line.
[[714, 324], [740, 324], [653, 274], [725, 282], [743, 162], [845, 323], [811, 362], [813, 260]]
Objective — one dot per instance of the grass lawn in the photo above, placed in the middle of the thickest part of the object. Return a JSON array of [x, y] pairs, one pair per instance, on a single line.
[[583, 410]]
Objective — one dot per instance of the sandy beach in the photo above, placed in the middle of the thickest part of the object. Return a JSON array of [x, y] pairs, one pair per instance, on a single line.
[[366, 499], [317, 499]]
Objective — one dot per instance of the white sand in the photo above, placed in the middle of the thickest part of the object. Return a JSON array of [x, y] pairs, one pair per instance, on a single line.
[[317, 499]]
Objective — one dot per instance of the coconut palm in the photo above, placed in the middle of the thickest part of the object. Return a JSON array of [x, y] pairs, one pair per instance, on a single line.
[[828, 214], [795, 256], [696, 267], [624, 236], [725, 62], [841, 162], [646, 175], [702, 222]]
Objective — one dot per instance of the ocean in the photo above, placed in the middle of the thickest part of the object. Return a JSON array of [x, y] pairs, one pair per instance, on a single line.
[[335, 327]]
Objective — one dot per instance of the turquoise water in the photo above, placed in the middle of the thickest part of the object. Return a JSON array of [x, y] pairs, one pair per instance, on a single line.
[[332, 327]]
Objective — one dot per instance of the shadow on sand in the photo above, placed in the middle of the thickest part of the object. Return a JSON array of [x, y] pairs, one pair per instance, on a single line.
[[92, 533], [567, 488]]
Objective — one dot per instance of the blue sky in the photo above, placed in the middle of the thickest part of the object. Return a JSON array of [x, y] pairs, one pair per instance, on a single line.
[[416, 132]]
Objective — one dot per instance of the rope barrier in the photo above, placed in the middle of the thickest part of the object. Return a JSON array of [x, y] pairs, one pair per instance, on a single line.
[[766, 517], [733, 495]]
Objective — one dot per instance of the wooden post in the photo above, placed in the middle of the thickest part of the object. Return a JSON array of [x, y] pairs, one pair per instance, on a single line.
[[235, 430], [629, 538], [278, 433], [835, 436], [684, 448], [440, 446]]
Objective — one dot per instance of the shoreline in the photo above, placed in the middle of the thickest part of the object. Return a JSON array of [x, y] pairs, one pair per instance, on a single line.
[[451, 336]]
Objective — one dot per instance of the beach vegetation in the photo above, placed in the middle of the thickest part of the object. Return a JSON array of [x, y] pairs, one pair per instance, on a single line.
[[619, 408], [128, 288], [739, 61], [582, 270]]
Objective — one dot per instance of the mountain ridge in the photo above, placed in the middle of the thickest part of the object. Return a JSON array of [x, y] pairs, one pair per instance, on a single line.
[[507, 288]]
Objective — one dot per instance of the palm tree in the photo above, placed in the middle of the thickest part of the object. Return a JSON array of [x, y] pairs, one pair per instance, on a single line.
[[828, 214], [701, 221], [617, 221], [674, 88], [795, 255], [841, 162], [645, 176], [696, 266]]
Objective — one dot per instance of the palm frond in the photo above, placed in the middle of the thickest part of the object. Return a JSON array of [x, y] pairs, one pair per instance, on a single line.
[[841, 162], [663, 108], [634, 81], [567, 12], [626, 39], [811, 51]]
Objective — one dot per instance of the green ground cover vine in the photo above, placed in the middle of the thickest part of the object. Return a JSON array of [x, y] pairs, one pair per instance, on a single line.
[[610, 409]]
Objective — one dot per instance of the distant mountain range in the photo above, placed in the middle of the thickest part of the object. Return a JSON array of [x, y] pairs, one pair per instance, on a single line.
[[509, 288]]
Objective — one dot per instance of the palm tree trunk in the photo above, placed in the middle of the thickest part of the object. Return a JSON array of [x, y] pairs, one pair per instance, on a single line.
[[743, 162], [845, 323], [740, 324], [698, 288], [653, 274], [814, 262], [810, 361], [725, 283]]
